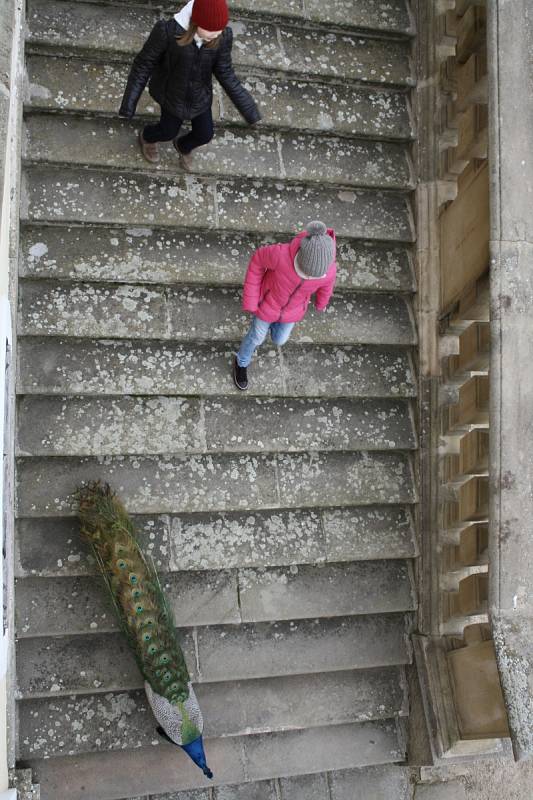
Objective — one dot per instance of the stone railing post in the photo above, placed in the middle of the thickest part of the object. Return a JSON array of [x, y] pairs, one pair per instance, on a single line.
[[510, 598]]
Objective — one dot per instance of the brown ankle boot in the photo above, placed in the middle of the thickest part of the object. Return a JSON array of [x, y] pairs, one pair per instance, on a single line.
[[149, 149], [186, 159]]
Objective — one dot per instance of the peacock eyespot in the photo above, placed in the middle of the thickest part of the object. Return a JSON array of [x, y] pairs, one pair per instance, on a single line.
[[136, 593], [152, 650], [133, 579], [139, 609], [147, 637], [167, 677], [121, 564]]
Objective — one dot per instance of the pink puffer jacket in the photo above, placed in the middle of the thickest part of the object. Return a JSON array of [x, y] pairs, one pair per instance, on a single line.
[[274, 291]]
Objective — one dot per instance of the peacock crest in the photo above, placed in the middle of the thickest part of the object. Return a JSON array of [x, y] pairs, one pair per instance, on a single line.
[[144, 615]]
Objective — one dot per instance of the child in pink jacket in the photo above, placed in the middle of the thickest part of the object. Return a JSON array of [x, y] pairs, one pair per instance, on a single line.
[[279, 283]]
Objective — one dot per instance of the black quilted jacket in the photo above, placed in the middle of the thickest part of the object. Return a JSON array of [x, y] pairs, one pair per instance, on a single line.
[[181, 77]]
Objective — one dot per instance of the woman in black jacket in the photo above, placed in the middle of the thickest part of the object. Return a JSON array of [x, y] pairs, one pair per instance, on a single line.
[[180, 57]]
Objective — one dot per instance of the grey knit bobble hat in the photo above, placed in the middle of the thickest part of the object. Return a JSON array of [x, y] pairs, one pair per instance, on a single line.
[[317, 250]]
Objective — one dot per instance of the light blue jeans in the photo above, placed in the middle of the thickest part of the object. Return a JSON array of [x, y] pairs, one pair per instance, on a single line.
[[257, 333]]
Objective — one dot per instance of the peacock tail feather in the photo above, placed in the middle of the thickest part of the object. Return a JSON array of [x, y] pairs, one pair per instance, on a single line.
[[142, 610]]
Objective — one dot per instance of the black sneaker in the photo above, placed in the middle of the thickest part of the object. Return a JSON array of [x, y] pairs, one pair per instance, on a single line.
[[240, 376]]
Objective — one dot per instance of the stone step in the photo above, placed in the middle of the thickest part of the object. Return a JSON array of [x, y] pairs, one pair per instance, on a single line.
[[210, 314], [442, 789], [48, 725], [135, 199], [69, 426], [146, 255], [393, 19], [385, 782], [91, 87], [105, 367], [233, 153], [54, 548], [122, 31], [230, 482], [62, 606], [368, 783], [51, 664], [114, 775]]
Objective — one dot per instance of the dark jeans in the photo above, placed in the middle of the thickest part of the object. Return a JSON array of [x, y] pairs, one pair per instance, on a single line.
[[168, 127]]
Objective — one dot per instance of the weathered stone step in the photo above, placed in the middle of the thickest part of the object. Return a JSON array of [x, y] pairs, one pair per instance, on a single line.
[[394, 18], [198, 314], [215, 654], [105, 367], [164, 425], [233, 708], [146, 255], [325, 160], [122, 31], [54, 548], [384, 782], [48, 726], [61, 606], [155, 485], [90, 87], [134, 199], [114, 775]]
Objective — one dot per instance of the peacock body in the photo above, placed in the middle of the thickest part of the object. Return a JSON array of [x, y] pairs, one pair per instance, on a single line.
[[145, 618]]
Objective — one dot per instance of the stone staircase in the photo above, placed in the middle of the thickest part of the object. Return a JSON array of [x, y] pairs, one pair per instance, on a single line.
[[281, 520]]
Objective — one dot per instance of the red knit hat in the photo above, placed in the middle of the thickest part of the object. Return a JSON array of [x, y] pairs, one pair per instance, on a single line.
[[211, 15]]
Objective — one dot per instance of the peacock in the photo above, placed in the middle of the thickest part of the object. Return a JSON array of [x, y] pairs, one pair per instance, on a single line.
[[145, 618]]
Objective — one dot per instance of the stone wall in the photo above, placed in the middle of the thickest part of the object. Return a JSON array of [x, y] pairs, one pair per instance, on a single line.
[[11, 90], [455, 653]]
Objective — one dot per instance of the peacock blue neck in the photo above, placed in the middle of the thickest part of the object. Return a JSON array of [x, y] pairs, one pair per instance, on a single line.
[[195, 750]]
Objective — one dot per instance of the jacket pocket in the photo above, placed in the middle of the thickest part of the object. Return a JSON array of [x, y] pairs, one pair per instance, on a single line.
[[260, 303]]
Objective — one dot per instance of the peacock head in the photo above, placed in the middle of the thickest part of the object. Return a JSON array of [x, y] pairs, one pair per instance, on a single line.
[[195, 751]]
